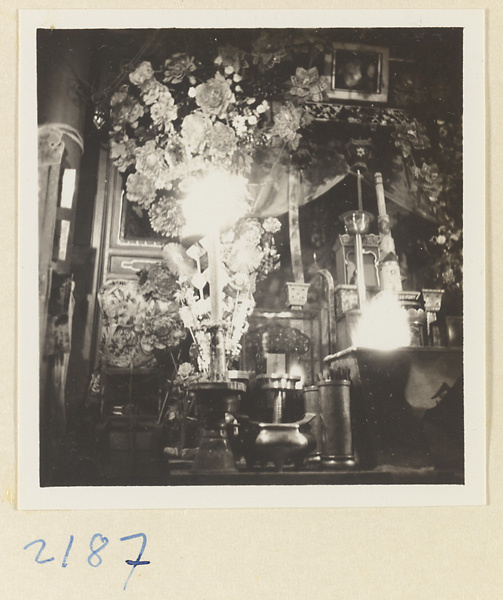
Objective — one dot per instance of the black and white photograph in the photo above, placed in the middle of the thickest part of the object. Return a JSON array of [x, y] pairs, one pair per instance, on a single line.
[[249, 261], [358, 72]]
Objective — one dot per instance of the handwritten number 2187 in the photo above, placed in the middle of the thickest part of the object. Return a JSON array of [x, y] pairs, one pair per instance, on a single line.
[[97, 544]]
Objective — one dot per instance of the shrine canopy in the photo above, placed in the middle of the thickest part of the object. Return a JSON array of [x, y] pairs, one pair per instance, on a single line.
[[272, 197], [341, 139]]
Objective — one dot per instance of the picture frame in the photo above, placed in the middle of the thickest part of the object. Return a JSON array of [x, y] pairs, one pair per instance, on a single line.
[[358, 72]]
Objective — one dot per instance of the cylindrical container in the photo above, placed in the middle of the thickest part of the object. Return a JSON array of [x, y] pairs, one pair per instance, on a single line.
[[337, 438], [454, 331], [312, 405]]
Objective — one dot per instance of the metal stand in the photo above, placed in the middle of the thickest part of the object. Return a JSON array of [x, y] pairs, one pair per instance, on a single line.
[[214, 454]]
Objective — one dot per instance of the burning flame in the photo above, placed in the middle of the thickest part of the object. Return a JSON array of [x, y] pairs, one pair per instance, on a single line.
[[296, 370], [383, 324]]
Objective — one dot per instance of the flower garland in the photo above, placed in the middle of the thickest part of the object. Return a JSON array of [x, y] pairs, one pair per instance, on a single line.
[[439, 182]]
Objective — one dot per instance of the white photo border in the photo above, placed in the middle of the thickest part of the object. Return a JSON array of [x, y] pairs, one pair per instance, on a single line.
[[473, 491]]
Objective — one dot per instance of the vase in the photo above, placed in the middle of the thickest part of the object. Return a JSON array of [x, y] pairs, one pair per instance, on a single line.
[[312, 405], [454, 326], [337, 438]]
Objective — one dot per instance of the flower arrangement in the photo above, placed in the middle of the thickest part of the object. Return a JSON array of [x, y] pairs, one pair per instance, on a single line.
[[248, 255], [176, 120], [179, 119], [139, 318]]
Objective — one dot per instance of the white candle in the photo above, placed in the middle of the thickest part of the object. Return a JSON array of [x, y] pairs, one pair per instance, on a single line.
[[215, 275], [381, 200], [359, 187]]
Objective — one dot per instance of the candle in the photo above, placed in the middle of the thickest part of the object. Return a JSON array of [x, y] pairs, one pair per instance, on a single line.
[[381, 200], [359, 187], [215, 275]]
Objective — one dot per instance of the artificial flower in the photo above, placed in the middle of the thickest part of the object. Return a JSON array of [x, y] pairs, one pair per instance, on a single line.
[[153, 91], [166, 217], [308, 85], [239, 124], [244, 258], [120, 96], [410, 136], [185, 370], [287, 123], [164, 111], [429, 181], [126, 112], [271, 225], [142, 72], [160, 330], [270, 48], [222, 140], [177, 67], [149, 159], [214, 96], [159, 283], [140, 189], [194, 130], [232, 58], [122, 153], [249, 231]]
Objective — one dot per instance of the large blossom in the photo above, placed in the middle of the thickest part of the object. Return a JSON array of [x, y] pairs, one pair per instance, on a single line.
[[429, 180], [125, 110], [287, 122], [214, 96], [178, 67], [244, 258], [222, 140], [142, 72], [160, 330], [308, 85], [164, 112], [120, 96], [194, 131], [166, 217], [159, 283], [149, 159], [231, 58], [270, 48], [140, 189], [249, 230], [122, 153], [271, 225], [410, 136], [153, 91], [185, 370]]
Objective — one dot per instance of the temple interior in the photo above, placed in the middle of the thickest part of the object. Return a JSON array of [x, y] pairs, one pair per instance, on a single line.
[[250, 256]]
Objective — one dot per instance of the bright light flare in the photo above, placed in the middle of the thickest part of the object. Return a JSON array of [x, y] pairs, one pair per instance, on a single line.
[[296, 370], [214, 201], [383, 324]]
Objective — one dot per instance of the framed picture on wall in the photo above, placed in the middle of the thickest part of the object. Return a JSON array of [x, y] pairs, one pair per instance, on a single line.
[[358, 72]]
